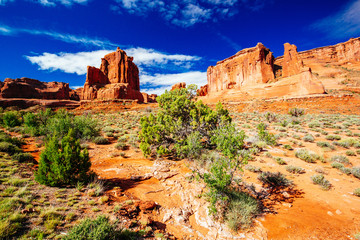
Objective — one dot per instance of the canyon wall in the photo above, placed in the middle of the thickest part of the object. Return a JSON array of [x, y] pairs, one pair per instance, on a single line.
[[28, 88], [248, 67]]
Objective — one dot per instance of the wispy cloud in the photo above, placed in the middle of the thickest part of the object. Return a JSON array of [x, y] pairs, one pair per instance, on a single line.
[[232, 44], [50, 3], [69, 38], [186, 13], [345, 23]]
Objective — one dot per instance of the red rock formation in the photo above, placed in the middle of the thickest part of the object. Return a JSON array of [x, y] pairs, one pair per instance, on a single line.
[[149, 98], [117, 78], [178, 86], [203, 91], [248, 67], [34, 89], [292, 63]]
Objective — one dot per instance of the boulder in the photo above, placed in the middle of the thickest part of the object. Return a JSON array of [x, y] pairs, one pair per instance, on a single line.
[[248, 67]]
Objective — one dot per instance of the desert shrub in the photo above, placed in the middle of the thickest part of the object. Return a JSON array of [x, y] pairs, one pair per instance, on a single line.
[[100, 228], [356, 172], [340, 159], [272, 179], [252, 168], [101, 140], [306, 155], [23, 157], [295, 169], [347, 143], [345, 170], [337, 165], [333, 137], [175, 125], [320, 180], [63, 163], [350, 153], [357, 192], [270, 117], [325, 145], [242, 209], [265, 136], [11, 119], [308, 138], [280, 161], [296, 112], [9, 148], [121, 146]]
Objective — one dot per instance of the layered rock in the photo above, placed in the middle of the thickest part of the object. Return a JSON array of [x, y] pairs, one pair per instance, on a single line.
[[292, 63], [248, 67], [27, 88], [117, 78]]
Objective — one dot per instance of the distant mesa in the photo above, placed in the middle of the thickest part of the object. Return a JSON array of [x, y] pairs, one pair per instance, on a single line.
[[255, 73], [117, 78], [178, 86]]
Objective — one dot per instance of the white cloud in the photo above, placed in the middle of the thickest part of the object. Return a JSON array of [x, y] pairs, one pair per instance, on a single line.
[[76, 87], [160, 82], [77, 62], [182, 13], [346, 23], [68, 62], [69, 38]]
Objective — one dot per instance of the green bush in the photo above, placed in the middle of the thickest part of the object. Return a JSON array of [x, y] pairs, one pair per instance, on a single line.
[[265, 136], [173, 129], [101, 140], [23, 157], [356, 172], [11, 119], [274, 179], [9, 148], [308, 138], [296, 112], [357, 192], [63, 163], [320, 180], [340, 159], [307, 156], [100, 229], [295, 169]]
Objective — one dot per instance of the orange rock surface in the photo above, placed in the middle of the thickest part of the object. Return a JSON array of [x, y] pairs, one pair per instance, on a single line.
[[292, 63], [178, 86], [117, 78], [248, 67]]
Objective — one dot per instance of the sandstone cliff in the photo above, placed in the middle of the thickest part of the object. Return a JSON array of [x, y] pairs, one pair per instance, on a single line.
[[27, 88], [117, 78], [248, 67]]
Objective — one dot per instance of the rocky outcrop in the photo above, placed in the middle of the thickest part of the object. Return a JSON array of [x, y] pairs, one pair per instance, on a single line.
[[202, 91], [117, 78], [27, 88], [292, 63], [254, 72], [248, 67], [178, 86]]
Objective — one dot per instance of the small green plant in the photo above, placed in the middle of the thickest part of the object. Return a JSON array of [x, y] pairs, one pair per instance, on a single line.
[[325, 145], [11, 119], [280, 161], [308, 138], [356, 172], [23, 157], [307, 156], [333, 137], [296, 112], [295, 169], [252, 168], [265, 136], [101, 140], [340, 159], [350, 153], [357, 192], [321, 181], [271, 179]]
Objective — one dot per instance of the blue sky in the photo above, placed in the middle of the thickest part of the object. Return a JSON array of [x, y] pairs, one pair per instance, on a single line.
[[171, 41]]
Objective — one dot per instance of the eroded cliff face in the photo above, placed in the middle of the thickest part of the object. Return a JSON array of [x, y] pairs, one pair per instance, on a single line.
[[117, 78], [28, 88], [248, 67]]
